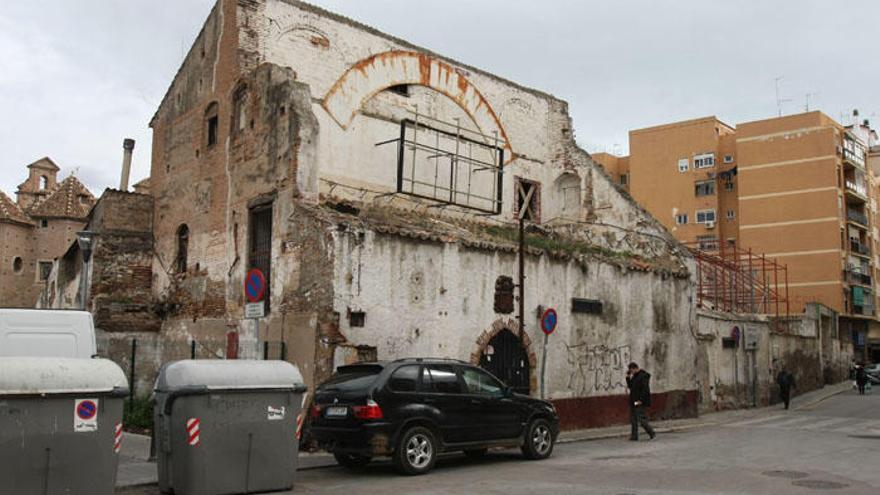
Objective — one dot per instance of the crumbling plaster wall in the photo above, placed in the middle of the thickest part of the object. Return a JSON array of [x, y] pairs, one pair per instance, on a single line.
[[795, 343], [436, 299], [322, 47]]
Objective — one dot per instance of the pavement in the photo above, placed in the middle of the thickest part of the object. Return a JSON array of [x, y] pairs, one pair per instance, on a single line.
[[136, 470]]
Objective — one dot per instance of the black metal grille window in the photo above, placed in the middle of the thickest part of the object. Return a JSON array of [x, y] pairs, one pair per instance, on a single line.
[[260, 244]]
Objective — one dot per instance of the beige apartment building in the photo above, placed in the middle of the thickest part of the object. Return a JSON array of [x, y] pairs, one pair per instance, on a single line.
[[796, 188]]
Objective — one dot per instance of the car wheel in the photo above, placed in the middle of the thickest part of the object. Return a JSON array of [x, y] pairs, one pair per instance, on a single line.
[[352, 461], [416, 451], [476, 453], [539, 440]]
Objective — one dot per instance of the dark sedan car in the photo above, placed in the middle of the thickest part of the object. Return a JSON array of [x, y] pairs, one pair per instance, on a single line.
[[413, 409]]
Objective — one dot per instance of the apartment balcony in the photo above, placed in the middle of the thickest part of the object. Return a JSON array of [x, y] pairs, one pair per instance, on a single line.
[[857, 217], [856, 190], [853, 154], [861, 301], [858, 248], [854, 277]]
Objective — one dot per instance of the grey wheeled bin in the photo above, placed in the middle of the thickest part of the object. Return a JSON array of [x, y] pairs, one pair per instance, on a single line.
[[227, 427], [60, 425]]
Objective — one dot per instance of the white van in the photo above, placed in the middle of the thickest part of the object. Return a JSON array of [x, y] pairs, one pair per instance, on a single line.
[[46, 332]]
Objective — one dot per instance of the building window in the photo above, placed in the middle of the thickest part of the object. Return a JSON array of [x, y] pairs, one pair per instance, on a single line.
[[728, 158], [731, 215], [44, 182], [211, 123], [17, 264], [705, 160], [707, 243], [528, 200], [683, 165], [45, 268], [624, 178], [681, 219], [704, 188], [357, 318], [44, 223], [260, 245], [400, 89], [706, 216], [728, 186], [182, 248]]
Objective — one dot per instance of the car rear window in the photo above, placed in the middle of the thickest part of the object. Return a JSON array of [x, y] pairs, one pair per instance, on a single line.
[[405, 378], [352, 377]]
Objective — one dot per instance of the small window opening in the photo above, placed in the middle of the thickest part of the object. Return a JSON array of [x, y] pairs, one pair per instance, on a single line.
[[528, 200], [357, 318], [44, 182], [44, 223], [17, 264], [400, 89], [211, 123], [45, 270], [182, 248]]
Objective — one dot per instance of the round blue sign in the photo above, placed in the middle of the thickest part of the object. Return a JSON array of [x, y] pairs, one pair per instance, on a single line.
[[548, 321], [254, 285], [86, 410]]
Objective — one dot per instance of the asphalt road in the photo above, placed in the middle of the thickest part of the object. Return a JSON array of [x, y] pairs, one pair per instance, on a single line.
[[832, 447]]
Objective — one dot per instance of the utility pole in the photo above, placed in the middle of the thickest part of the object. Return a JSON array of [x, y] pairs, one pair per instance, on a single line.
[[524, 209]]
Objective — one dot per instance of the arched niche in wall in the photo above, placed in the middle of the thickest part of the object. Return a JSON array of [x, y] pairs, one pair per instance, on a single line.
[[394, 68], [567, 190]]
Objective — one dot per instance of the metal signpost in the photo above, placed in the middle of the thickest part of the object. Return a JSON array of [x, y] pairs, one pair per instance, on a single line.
[[549, 319], [255, 292]]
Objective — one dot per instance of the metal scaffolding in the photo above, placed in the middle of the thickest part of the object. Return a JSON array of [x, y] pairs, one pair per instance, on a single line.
[[738, 281]]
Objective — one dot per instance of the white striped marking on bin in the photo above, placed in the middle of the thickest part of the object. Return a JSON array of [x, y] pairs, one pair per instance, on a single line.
[[192, 431], [117, 437]]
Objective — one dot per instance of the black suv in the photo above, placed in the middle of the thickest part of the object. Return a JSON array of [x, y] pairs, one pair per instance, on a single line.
[[413, 409]]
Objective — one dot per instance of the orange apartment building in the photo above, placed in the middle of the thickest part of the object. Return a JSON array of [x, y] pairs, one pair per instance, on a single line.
[[796, 188]]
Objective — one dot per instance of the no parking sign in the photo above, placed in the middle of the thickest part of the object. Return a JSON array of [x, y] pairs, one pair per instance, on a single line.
[[85, 415]]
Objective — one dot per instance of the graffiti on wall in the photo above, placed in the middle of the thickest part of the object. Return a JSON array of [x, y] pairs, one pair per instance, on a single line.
[[597, 368]]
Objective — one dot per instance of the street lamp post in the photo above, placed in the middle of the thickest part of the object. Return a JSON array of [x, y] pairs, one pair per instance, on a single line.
[[86, 242]]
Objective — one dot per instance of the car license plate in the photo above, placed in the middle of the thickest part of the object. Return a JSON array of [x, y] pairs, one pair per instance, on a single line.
[[336, 412]]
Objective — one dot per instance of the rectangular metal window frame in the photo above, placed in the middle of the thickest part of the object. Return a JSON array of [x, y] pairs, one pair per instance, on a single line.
[[401, 149]]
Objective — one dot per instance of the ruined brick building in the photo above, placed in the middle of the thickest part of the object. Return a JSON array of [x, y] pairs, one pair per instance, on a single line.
[[36, 229], [377, 185]]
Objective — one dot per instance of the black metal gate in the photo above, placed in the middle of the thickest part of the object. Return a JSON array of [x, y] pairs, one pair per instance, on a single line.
[[506, 358]]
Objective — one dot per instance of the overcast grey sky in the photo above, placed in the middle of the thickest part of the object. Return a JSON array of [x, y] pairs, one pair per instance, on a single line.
[[78, 76]]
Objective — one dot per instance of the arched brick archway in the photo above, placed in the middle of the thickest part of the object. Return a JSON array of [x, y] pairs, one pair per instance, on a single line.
[[384, 70], [512, 325]]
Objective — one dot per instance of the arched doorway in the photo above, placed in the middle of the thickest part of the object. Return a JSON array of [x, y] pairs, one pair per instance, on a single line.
[[506, 357]]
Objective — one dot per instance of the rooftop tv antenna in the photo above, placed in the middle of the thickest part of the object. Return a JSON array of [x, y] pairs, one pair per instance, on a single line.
[[779, 99], [808, 96]]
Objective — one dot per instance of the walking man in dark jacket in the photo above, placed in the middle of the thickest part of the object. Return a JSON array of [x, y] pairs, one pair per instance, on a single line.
[[638, 382], [785, 380], [861, 378]]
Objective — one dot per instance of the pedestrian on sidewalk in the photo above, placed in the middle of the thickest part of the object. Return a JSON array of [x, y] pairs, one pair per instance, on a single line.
[[861, 378], [638, 382], [785, 380]]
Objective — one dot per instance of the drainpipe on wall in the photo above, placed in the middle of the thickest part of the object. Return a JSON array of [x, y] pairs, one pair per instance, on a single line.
[[86, 241]]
